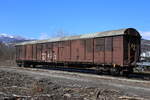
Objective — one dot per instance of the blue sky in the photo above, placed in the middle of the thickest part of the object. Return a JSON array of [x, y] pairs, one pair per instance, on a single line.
[[44, 18]]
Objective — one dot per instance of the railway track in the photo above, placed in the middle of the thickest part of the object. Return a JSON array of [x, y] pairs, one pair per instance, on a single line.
[[138, 76], [144, 76]]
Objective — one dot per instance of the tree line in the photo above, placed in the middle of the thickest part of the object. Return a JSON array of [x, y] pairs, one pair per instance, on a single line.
[[7, 52]]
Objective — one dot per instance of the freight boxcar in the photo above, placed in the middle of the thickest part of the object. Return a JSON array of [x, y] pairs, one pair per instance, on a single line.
[[115, 51]]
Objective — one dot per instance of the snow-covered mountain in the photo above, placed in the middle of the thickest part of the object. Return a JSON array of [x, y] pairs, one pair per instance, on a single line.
[[5, 38]]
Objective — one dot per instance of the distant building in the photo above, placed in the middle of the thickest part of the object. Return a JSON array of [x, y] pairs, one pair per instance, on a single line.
[[145, 45], [145, 50], [145, 54]]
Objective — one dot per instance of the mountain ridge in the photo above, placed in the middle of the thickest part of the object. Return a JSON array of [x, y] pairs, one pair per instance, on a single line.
[[7, 39]]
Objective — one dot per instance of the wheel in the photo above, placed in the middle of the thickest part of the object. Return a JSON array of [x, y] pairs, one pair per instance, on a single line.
[[26, 65], [121, 73], [115, 71], [19, 65], [131, 71], [126, 74], [33, 65], [99, 72]]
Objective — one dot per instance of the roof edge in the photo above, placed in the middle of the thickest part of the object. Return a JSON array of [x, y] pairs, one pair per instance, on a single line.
[[83, 36]]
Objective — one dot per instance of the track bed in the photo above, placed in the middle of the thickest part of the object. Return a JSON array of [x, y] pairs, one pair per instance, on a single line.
[[53, 84]]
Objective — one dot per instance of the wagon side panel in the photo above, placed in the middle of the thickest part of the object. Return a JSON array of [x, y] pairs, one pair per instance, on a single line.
[[29, 52], [99, 44], [55, 51], [68, 51], [39, 52], [126, 51], [89, 51], [77, 50], [108, 50], [64, 51], [118, 50], [44, 52], [34, 52], [49, 52]]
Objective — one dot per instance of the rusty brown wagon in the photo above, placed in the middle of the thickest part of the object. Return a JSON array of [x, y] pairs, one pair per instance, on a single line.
[[115, 51]]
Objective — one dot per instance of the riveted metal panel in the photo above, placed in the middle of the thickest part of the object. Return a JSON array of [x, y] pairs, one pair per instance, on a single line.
[[55, 51], [24, 52], [118, 50], [39, 52], [126, 50], [99, 48], [64, 51], [49, 52], [77, 50], [34, 52], [29, 52], [108, 50], [89, 50], [22, 55], [44, 52]]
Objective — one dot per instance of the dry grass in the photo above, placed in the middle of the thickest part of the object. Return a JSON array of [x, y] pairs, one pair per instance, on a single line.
[[8, 63]]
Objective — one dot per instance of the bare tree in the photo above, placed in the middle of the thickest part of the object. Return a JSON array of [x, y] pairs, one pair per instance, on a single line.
[[61, 33], [7, 53]]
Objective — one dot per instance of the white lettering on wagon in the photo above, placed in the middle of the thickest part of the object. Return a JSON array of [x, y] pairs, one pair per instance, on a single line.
[[55, 57], [43, 56]]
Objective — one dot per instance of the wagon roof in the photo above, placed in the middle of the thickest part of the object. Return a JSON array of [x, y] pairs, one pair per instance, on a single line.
[[84, 36]]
